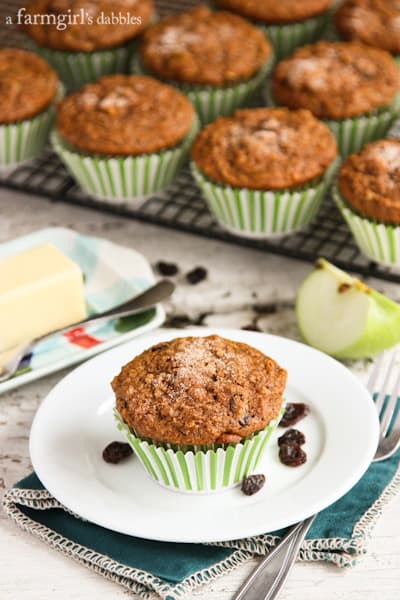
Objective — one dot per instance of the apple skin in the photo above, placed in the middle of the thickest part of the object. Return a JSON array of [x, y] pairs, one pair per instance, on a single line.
[[382, 329]]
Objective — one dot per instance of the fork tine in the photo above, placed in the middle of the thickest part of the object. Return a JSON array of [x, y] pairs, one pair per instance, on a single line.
[[385, 385], [373, 378], [394, 436], [390, 407]]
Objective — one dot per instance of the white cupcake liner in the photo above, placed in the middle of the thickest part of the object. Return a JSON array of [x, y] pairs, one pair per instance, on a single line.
[[263, 214], [378, 241], [76, 69], [286, 38], [353, 133], [199, 471], [123, 179], [210, 101], [25, 140]]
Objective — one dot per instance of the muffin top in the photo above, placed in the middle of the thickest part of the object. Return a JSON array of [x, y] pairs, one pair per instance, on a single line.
[[369, 181], [373, 22], [88, 25], [199, 390], [264, 148], [27, 85], [124, 115], [336, 80], [272, 11], [202, 47]]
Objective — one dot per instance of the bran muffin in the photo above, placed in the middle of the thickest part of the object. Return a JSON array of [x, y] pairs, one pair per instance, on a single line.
[[124, 115], [209, 56], [27, 85], [353, 86], [199, 391], [201, 47], [336, 80], [369, 181], [88, 44], [287, 23], [285, 11], [92, 32], [372, 22], [28, 90], [263, 171], [368, 196], [198, 411], [120, 138], [293, 145]]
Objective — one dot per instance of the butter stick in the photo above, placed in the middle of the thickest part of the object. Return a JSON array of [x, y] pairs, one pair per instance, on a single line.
[[41, 290]]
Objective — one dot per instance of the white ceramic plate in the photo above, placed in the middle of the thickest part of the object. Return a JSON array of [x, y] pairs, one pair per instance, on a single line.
[[75, 423]]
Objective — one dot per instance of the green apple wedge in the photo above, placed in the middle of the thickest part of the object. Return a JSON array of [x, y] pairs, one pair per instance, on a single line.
[[340, 315]]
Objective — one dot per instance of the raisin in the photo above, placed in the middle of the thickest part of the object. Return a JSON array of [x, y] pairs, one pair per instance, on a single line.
[[196, 275], [292, 436], [292, 455], [116, 452], [251, 327], [167, 269], [252, 484], [294, 411]]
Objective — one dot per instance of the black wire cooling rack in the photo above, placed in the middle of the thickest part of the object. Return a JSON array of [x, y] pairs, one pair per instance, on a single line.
[[181, 207]]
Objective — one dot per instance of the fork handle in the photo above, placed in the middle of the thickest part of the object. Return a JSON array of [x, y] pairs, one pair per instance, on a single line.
[[268, 578]]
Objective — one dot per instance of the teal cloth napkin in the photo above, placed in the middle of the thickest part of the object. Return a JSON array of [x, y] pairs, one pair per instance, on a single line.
[[170, 571]]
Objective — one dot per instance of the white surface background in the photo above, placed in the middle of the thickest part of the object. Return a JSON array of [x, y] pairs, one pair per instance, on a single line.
[[238, 279]]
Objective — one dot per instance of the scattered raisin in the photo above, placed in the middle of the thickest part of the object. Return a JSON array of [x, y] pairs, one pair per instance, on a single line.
[[179, 321], [251, 327], [167, 269], [292, 436], [252, 484], [292, 455], [116, 452], [196, 275], [294, 411]]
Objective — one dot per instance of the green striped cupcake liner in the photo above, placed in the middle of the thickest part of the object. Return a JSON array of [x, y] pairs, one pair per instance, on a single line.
[[380, 242], [286, 38], [25, 140], [75, 69], [353, 133], [122, 179], [264, 213], [210, 101], [199, 470]]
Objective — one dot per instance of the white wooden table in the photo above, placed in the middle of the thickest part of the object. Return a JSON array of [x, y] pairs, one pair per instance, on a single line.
[[238, 279]]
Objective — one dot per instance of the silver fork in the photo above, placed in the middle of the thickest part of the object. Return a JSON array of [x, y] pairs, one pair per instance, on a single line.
[[266, 581]]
